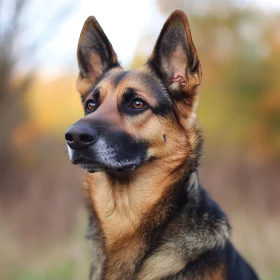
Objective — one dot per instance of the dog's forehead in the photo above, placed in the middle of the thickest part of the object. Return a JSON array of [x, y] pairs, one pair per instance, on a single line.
[[142, 80]]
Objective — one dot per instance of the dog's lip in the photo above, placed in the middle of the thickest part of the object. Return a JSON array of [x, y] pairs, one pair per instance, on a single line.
[[83, 160], [91, 166]]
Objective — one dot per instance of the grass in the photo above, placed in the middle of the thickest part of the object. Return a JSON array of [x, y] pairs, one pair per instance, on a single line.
[[56, 271]]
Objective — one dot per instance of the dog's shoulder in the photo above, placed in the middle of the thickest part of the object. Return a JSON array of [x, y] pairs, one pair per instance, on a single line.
[[196, 243]]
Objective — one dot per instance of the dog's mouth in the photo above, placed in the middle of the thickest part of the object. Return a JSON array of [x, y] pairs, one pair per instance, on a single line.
[[93, 164], [89, 165]]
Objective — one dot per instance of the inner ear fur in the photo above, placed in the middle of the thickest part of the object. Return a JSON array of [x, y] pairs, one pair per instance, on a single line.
[[175, 60], [95, 55]]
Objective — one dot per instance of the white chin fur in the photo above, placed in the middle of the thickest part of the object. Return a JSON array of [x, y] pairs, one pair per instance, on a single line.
[[106, 154], [70, 152]]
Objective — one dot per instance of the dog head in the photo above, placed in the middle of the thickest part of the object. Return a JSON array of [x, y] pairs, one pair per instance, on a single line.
[[135, 117]]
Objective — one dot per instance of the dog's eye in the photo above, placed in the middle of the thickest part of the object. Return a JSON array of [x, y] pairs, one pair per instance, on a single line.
[[137, 103], [90, 106]]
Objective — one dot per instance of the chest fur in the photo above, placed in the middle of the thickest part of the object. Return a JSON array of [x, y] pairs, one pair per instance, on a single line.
[[121, 209]]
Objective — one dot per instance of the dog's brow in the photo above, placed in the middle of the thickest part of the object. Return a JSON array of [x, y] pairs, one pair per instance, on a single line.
[[129, 92], [96, 93], [119, 77]]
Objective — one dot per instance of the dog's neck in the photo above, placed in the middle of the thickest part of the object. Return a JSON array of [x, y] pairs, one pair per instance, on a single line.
[[121, 201]]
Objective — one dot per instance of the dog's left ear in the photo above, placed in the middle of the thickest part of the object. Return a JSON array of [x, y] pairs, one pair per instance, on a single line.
[[175, 60], [95, 55]]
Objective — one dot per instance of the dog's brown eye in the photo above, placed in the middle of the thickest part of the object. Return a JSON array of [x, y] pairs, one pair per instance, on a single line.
[[137, 104], [91, 105]]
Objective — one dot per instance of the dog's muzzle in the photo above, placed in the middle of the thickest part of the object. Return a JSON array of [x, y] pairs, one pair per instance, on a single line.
[[95, 146]]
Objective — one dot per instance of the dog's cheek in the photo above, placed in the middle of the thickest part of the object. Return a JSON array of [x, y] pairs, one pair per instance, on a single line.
[[157, 140], [156, 148]]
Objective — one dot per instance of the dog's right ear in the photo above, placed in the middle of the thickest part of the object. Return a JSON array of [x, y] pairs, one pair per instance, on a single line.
[[95, 55]]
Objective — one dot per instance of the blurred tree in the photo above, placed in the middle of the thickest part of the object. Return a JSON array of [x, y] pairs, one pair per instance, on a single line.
[[12, 86]]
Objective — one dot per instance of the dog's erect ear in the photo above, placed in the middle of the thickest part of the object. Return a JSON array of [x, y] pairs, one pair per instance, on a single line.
[[175, 58], [95, 54]]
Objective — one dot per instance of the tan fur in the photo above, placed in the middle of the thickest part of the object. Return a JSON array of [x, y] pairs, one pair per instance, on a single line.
[[217, 274], [120, 207], [160, 264], [83, 85]]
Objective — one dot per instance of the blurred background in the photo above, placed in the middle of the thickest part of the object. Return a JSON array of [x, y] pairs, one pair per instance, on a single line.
[[42, 215]]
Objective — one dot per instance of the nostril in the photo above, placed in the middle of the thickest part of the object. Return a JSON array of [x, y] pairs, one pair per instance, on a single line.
[[86, 138], [69, 137], [80, 136]]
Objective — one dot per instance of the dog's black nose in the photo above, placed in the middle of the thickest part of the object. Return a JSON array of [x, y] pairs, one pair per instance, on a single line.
[[80, 136]]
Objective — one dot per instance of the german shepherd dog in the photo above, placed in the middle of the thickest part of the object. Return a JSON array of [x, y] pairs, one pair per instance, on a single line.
[[139, 141]]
